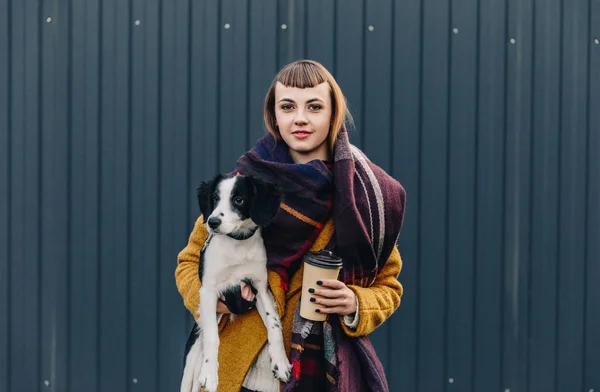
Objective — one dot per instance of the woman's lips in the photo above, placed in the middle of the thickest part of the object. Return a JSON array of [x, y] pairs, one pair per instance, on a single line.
[[301, 134]]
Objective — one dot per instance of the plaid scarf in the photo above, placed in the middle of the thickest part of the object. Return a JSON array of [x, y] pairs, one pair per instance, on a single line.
[[369, 205]]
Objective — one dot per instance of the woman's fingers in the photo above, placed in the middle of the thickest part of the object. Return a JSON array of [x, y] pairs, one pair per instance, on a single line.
[[334, 310], [329, 302], [247, 293], [221, 307], [327, 293]]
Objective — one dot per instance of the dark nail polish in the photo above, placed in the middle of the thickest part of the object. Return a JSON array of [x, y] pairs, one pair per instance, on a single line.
[[311, 290], [313, 300], [319, 282], [318, 310]]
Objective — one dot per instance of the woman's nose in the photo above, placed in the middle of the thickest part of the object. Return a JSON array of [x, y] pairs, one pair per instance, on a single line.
[[300, 118]]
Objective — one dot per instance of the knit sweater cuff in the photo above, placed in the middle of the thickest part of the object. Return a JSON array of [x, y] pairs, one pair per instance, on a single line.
[[351, 320]]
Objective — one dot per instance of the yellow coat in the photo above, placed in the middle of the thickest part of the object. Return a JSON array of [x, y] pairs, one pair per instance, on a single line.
[[242, 339]]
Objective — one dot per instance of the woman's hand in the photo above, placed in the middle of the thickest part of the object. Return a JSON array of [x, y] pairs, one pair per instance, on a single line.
[[247, 294], [333, 297]]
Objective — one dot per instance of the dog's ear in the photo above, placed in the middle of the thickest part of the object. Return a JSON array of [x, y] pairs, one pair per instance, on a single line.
[[265, 202], [205, 196]]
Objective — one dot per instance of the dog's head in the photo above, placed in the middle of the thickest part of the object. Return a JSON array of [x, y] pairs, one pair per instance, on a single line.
[[235, 205]]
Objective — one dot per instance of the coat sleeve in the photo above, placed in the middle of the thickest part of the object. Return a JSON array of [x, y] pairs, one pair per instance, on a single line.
[[377, 302], [186, 273]]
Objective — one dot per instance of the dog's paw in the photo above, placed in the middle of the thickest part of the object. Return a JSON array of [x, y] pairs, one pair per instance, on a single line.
[[280, 366], [209, 377]]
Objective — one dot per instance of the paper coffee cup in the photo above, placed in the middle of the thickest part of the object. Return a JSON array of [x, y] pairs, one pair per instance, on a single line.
[[317, 266]]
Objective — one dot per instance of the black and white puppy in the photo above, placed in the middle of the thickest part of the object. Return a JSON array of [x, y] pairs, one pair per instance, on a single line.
[[235, 209]]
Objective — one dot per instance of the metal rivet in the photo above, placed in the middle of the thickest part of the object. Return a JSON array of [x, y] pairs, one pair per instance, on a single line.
[[137, 22], [227, 25], [592, 390], [597, 41], [451, 380], [48, 19], [455, 30], [371, 28], [47, 383], [513, 41], [283, 26], [135, 380], [507, 390]]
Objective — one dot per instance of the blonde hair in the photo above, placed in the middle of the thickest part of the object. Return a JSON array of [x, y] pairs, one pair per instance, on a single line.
[[307, 74]]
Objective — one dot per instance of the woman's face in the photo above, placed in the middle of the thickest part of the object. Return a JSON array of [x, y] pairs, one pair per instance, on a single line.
[[303, 117]]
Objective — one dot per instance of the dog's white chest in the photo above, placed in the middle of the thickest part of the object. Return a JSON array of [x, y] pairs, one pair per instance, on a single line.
[[227, 261]]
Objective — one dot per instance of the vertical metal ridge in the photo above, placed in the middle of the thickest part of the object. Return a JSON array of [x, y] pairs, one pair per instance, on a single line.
[[248, 65], [69, 174], [531, 173], [447, 189], [40, 232], [159, 185], [218, 97], [588, 174], [420, 190], [334, 57], [392, 84], [475, 198], [9, 198], [128, 196], [363, 73], [504, 191], [277, 21], [305, 31], [99, 172], [188, 171], [558, 198], [391, 119]]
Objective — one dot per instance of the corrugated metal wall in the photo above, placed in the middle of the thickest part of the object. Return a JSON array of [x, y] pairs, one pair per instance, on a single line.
[[486, 110]]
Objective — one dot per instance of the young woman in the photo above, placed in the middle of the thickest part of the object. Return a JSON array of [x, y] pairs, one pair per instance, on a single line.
[[335, 199]]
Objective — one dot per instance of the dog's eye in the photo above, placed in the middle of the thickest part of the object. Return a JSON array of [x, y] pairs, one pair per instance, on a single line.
[[215, 197], [238, 200]]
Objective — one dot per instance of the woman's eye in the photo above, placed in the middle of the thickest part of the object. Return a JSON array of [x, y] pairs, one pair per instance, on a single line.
[[286, 107], [315, 107], [238, 200]]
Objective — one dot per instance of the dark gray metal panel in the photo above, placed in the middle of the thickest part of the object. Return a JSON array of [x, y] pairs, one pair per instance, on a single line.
[[377, 131], [320, 32], [349, 60], [204, 96], [233, 82], [406, 124], [591, 376], [143, 321], [5, 191], [489, 246], [434, 192], [204, 103], [115, 22], [285, 36], [462, 171], [85, 183], [545, 180], [174, 204], [24, 197], [572, 195], [265, 32], [55, 236], [299, 45], [517, 230]]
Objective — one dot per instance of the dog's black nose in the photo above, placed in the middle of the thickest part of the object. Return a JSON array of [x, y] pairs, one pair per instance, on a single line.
[[213, 223]]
